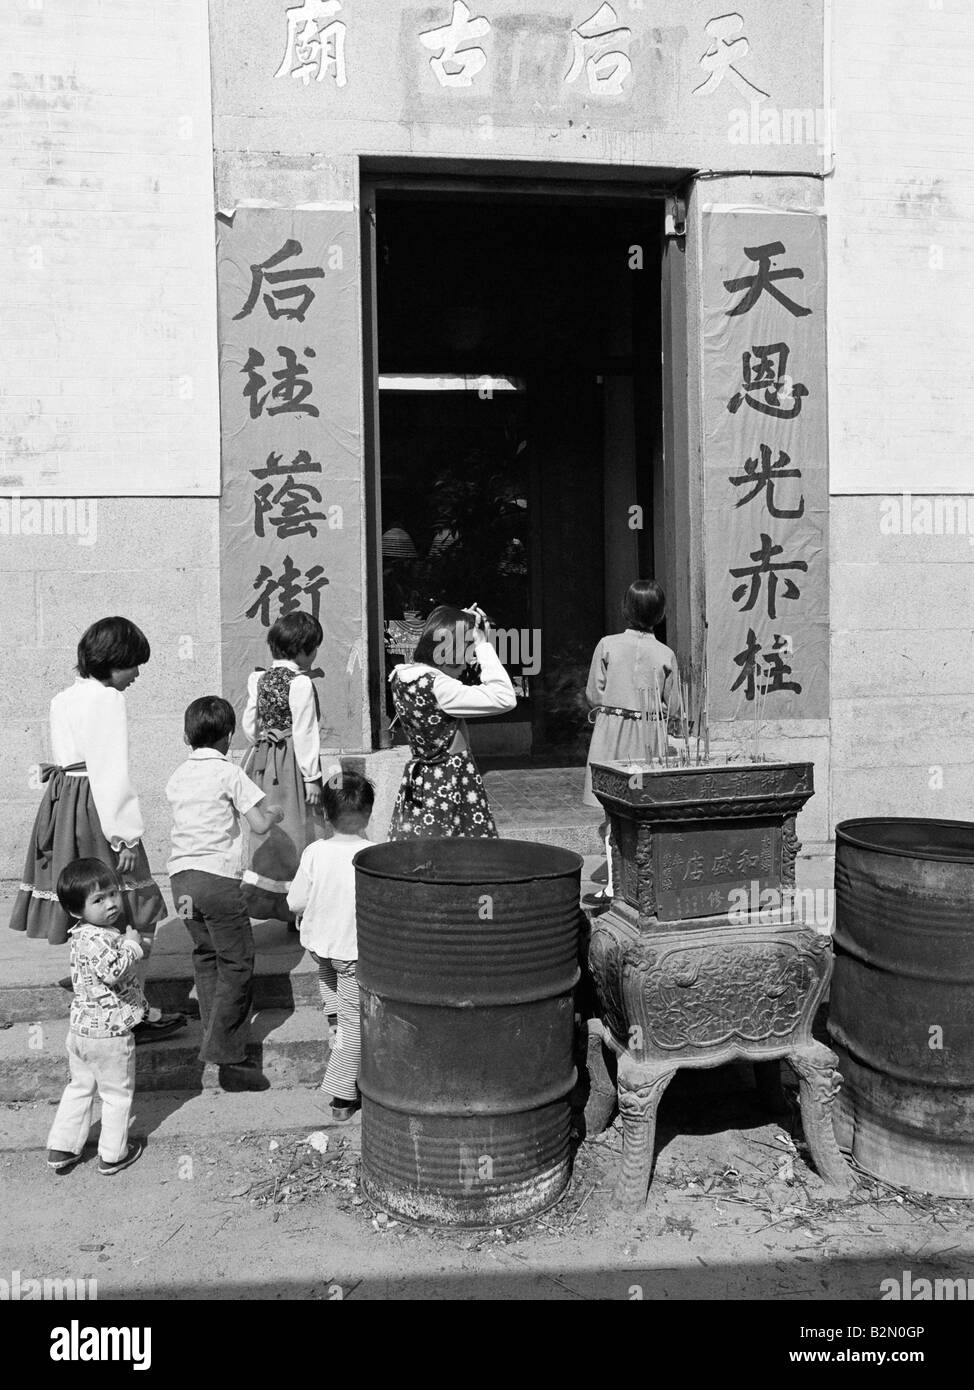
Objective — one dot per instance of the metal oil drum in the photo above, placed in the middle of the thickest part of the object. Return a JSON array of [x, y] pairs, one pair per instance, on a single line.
[[902, 1002], [468, 958]]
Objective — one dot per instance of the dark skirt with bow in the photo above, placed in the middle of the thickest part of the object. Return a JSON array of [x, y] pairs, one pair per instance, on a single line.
[[67, 827], [272, 859]]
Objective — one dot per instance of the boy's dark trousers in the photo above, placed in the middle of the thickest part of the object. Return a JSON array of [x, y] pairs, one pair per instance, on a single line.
[[223, 960]]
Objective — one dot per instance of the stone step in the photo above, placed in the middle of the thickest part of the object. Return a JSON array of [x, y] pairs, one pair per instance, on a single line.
[[36, 985], [291, 1047], [35, 981], [171, 988]]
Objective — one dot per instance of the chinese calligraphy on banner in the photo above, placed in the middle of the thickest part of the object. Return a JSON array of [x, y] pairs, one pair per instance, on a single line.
[[765, 426], [290, 520]]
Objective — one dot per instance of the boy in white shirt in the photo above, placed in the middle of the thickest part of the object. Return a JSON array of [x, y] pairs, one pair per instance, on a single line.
[[323, 892], [209, 794]]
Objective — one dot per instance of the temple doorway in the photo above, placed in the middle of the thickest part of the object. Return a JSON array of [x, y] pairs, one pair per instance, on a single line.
[[517, 435]]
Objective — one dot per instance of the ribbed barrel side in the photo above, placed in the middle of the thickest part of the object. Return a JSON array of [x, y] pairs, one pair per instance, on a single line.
[[901, 1014], [468, 958]]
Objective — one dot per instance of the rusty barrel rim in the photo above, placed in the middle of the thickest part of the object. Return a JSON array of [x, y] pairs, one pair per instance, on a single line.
[[910, 837], [517, 861]]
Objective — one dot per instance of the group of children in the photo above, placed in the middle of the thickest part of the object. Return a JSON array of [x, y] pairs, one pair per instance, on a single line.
[[87, 877]]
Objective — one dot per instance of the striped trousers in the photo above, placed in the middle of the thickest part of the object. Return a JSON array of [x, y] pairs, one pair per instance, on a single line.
[[337, 977]]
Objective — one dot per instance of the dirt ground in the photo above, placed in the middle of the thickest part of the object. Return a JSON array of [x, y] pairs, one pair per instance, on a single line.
[[734, 1213]]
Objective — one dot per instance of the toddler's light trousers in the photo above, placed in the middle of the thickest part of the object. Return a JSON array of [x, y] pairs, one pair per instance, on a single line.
[[102, 1068]]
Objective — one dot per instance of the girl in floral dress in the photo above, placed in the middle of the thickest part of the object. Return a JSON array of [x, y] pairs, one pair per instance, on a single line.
[[442, 792], [281, 722]]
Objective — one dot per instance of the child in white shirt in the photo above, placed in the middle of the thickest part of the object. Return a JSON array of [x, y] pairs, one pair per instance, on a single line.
[[209, 796], [323, 893]]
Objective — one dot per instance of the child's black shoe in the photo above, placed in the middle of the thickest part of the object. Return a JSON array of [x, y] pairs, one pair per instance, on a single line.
[[243, 1077], [62, 1161], [134, 1151], [163, 1027]]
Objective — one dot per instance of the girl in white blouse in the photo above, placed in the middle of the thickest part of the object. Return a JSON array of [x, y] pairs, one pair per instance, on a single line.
[[442, 792], [90, 809]]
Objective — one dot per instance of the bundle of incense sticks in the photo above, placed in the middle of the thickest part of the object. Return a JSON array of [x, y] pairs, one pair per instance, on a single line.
[[685, 718], [694, 721], [644, 725], [660, 722], [760, 700]]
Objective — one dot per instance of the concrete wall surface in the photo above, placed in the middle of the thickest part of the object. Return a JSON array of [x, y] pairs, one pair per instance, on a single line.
[[155, 561], [108, 353], [901, 221]]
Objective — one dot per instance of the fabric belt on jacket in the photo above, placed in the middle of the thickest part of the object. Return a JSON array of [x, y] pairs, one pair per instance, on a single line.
[[617, 710]]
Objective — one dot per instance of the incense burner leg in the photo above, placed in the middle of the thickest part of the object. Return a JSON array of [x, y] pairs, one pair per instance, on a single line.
[[767, 1077], [601, 1101], [640, 1089], [819, 1082]]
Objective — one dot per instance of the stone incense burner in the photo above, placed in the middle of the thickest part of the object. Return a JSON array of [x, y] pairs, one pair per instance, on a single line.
[[698, 961]]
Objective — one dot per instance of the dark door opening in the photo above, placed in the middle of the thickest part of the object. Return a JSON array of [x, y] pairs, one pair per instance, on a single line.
[[519, 434]]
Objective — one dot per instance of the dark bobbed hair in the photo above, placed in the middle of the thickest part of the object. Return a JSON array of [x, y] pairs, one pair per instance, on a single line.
[[81, 877], [208, 720], [293, 634], [111, 644], [644, 605], [444, 621], [347, 793]]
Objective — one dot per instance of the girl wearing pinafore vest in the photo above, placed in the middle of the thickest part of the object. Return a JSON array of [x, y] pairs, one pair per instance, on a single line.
[[442, 792], [90, 809], [281, 721], [624, 665]]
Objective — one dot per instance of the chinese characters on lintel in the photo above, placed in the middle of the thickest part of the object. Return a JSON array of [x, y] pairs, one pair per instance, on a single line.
[[598, 46]]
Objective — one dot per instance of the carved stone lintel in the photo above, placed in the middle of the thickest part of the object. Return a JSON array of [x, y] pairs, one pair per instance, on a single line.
[[753, 808], [819, 1083], [639, 1095]]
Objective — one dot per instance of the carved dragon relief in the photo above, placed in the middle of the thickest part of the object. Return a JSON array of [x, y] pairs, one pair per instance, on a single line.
[[604, 952], [706, 995], [790, 849]]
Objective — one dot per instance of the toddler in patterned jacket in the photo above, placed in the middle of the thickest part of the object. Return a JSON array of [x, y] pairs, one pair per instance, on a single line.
[[108, 1003]]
